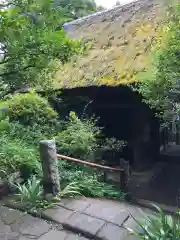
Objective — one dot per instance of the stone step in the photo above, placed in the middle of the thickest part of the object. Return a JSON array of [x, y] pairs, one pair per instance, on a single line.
[[95, 219]]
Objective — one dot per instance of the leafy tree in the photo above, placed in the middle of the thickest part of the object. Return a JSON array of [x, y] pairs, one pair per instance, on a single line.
[[160, 85], [78, 8], [32, 45]]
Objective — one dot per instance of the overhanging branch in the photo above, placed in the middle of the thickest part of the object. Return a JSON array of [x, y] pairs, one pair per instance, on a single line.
[[14, 72], [4, 61]]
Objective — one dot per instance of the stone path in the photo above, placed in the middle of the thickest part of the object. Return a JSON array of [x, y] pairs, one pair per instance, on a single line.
[[97, 219], [71, 220], [15, 225]]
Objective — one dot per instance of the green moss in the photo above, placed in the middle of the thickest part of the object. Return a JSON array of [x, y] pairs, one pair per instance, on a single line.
[[128, 54]]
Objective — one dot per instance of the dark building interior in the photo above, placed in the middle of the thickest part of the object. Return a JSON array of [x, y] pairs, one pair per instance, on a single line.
[[121, 113]]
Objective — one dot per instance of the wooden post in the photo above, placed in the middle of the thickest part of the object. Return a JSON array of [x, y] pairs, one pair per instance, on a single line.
[[105, 176], [166, 134], [124, 175], [177, 135], [122, 181], [48, 156]]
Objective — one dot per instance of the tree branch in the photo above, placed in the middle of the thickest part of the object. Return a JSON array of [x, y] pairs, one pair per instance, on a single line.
[[4, 61], [6, 5], [14, 72]]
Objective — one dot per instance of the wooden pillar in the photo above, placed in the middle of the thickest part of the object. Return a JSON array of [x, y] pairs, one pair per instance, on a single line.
[[138, 159], [177, 135], [48, 156], [155, 139], [124, 175]]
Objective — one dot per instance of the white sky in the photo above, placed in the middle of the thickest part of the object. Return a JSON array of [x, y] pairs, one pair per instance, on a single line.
[[111, 3]]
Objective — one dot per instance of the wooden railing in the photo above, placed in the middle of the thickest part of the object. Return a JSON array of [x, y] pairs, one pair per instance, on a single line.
[[123, 172], [50, 170]]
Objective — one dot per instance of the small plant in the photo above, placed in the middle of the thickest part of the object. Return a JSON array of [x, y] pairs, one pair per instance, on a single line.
[[85, 183], [160, 227], [72, 189], [90, 186], [78, 138], [113, 144], [30, 192]]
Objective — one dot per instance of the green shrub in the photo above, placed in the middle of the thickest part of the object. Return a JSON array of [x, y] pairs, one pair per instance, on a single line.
[[30, 191], [113, 144], [30, 134], [16, 154], [158, 227], [78, 138], [29, 109], [90, 186], [87, 184], [160, 85], [30, 196]]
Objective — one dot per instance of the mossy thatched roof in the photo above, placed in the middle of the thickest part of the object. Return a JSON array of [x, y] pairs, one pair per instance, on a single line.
[[121, 41]]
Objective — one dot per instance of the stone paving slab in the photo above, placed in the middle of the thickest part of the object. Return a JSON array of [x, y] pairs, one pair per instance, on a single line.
[[25, 227], [58, 214], [108, 213], [92, 218], [95, 218], [85, 224], [10, 215], [79, 205], [53, 235], [111, 231]]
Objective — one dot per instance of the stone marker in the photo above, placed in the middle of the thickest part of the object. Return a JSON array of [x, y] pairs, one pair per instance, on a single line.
[[48, 156]]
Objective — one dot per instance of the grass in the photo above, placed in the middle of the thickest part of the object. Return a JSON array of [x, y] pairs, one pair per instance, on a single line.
[[120, 45]]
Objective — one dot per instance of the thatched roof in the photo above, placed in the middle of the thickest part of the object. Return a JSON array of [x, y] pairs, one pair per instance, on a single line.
[[121, 41]]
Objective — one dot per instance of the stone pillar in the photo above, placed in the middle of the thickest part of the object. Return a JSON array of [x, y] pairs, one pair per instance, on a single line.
[[48, 157]]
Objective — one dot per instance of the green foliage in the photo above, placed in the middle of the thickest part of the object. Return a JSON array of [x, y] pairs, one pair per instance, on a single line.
[[160, 227], [16, 154], [70, 190], [19, 148], [33, 45], [78, 138], [161, 85], [29, 134], [30, 191], [78, 8], [30, 196], [86, 183], [90, 186], [29, 109], [113, 144]]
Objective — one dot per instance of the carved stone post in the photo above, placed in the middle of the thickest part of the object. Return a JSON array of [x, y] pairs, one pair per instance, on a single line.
[[48, 156]]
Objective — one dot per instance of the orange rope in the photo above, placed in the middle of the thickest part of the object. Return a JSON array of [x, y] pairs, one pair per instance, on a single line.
[[89, 163]]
